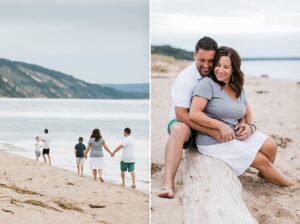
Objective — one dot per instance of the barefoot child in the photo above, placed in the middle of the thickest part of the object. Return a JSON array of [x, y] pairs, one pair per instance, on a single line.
[[128, 156], [79, 153], [38, 147]]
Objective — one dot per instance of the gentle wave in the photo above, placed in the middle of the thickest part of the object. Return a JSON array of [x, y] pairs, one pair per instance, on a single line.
[[63, 100], [75, 115]]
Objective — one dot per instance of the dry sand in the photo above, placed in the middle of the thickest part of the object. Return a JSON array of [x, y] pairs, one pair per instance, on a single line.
[[275, 106], [33, 192]]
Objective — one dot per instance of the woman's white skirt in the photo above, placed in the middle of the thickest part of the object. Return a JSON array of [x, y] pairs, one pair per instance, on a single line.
[[97, 163], [238, 155]]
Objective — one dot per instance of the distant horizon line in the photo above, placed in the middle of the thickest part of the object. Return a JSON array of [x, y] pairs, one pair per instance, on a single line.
[[252, 58]]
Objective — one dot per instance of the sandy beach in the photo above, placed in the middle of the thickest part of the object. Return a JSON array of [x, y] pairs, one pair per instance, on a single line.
[[34, 192], [275, 107]]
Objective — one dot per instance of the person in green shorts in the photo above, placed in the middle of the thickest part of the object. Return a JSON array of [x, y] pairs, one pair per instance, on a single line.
[[128, 156], [180, 127]]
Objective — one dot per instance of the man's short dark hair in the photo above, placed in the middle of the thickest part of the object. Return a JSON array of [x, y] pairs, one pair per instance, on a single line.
[[46, 131], [207, 44], [80, 139], [127, 130]]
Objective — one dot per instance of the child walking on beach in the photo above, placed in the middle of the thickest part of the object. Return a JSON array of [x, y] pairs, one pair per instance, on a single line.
[[38, 147], [79, 153], [128, 156]]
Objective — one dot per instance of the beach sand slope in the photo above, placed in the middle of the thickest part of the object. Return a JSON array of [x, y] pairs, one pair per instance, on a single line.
[[33, 192]]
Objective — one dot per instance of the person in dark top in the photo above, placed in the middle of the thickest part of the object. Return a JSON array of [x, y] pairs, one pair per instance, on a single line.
[[79, 153]]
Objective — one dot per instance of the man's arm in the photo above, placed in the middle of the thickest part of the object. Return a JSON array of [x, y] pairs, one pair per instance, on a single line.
[[107, 149], [117, 149], [182, 115]]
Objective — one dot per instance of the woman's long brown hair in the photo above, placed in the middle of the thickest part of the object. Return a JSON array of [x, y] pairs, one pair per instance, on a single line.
[[237, 78], [96, 134]]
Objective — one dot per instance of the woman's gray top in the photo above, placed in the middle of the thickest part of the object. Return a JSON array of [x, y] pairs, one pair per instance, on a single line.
[[96, 147], [220, 106]]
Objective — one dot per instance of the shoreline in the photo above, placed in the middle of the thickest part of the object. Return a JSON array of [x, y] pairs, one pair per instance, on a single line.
[[36, 192], [24, 119]]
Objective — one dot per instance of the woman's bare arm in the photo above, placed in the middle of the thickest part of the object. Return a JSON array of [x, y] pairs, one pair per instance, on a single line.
[[107, 149], [197, 115]]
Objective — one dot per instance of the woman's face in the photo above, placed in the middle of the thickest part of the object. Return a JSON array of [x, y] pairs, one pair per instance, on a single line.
[[223, 69]]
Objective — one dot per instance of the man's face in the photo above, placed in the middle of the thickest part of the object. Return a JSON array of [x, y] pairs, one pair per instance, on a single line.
[[204, 61]]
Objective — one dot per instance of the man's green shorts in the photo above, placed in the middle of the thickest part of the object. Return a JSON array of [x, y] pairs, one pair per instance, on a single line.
[[127, 166], [189, 142]]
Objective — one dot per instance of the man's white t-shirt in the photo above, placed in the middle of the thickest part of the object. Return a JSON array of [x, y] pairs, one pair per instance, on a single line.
[[128, 155], [183, 89], [46, 140]]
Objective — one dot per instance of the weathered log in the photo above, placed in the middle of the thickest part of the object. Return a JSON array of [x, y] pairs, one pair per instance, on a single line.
[[212, 193]]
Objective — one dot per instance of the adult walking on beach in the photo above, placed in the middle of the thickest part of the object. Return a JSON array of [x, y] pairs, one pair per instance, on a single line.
[[128, 156], [97, 162], [46, 148], [180, 126], [220, 102]]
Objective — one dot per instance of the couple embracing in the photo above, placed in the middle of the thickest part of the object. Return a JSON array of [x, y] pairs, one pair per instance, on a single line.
[[210, 109]]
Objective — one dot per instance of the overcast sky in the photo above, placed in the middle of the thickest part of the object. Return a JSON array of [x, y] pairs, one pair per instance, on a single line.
[[100, 41], [254, 28]]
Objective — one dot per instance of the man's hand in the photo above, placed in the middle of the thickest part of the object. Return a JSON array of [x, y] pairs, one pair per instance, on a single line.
[[244, 131], [216, 134], [227, 133]]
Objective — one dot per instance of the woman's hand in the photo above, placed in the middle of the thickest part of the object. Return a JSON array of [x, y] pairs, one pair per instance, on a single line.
[[243, 131], [226, 132], [86, 151]]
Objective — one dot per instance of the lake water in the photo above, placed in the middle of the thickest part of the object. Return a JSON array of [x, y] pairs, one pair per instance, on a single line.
[[21, 120], [288, 70]]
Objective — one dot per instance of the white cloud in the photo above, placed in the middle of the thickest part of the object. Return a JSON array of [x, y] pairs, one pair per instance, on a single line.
[[189, 24], [232, 16], [261, 24]]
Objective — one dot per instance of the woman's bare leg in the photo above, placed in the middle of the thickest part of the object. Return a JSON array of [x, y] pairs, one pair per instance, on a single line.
[[95, 174], [267, 169], [100, 171], [269, 149]]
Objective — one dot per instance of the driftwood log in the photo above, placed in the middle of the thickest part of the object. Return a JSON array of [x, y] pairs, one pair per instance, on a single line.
[[212, 193]]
